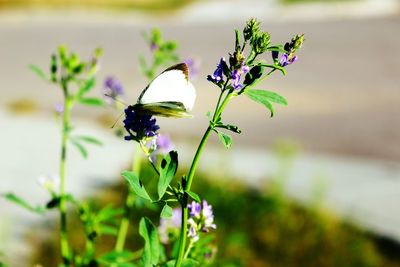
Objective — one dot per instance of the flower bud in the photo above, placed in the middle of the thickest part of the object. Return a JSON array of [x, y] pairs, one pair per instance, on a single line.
[[251, 29], [260, 42]]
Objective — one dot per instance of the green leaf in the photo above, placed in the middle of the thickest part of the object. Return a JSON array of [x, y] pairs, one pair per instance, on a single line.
[[88, 139], [91, 101], [185, 263], [108, 213], [86, 87], [225, 139], [149, 233], [38, 71], [232, 128], [22, 203], [166, 212], [265, 98], [194, 196], [168, 167], [108, 230], [136, 184], [80, 148], [254, 74], [116, 258]]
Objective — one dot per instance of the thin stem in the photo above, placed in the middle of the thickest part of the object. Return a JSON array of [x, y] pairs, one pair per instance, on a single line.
[[190, 245], [192, 170], [130, 200], [63, 207]]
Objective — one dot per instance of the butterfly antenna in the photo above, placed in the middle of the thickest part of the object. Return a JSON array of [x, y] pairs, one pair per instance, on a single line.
[[117, 120], [116, 99]]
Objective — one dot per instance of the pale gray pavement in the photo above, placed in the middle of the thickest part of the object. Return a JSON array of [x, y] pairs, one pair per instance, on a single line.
[[343, 102]]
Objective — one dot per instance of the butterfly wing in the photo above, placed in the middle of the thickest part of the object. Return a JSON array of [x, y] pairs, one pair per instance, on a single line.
[[166, 109], [171, 86]]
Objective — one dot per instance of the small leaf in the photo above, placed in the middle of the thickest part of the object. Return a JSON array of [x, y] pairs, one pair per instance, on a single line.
[[232, 128], [22, 203], [88, 139], [168, 167], [194, 196], [149, 233], [225, 139], [166, 212], [265, 98], [91, 101], [136, 184], [86, 87], [38, 71], [80, 148]]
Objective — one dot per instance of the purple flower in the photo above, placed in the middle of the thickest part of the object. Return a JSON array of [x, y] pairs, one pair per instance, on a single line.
[[50, 182], [192, 231], [286, 60], [208, 217], [201, 219], [59, 108], [194, 67], [194, 209], [217, 76], [113, 89], [164, 144], [236, 74], [170, 226], [139, 126], [153, 47]]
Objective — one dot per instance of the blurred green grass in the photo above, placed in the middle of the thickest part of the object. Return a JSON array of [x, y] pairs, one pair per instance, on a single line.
[[316, 1], [144, 5], [254, 228]]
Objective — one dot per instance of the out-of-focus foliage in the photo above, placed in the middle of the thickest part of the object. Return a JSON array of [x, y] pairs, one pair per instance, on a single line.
[[254, 229], [151, 5]]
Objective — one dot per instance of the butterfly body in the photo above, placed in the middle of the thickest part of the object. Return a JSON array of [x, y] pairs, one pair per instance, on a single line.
[[170, 94]]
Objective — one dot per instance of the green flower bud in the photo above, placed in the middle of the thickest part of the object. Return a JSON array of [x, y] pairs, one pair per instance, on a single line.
[[297, 41], [251, 29], [260, 42], [236, 60]]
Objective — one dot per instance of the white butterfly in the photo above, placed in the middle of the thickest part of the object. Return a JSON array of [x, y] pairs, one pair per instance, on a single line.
[[170, 94]]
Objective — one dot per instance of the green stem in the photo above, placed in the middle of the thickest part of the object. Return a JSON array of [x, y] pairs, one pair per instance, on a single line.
[[63, 207], [190, 245], [130, 200], [192, 170]]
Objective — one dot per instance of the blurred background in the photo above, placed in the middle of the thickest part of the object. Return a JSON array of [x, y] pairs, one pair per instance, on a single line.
[[334, 150]]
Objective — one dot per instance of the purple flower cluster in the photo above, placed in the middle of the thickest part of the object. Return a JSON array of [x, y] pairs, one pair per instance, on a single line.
[[201, 219], [138, 125], [113, 89], [218, 76], [290, 48]]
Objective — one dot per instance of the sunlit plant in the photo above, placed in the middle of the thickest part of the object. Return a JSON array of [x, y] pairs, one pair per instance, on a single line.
[[239, 75]]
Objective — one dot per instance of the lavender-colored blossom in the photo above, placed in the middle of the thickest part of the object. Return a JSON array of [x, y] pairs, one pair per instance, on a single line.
[[164, 144], [113, 89], [286, 60], [194, 209], [153, 47], [193, 66], [59, 108], [138, 125], [236, 74], [170, 226], [208, 217], [217, 76], [192, 231]]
